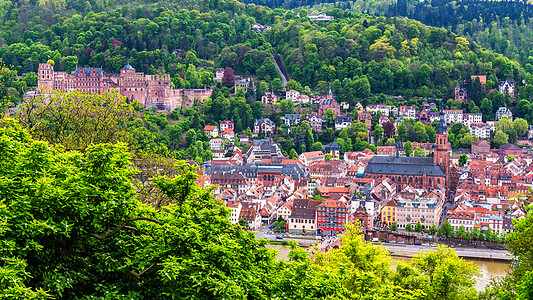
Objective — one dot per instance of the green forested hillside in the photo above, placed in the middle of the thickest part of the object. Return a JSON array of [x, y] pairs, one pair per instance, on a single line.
[[389, 55]]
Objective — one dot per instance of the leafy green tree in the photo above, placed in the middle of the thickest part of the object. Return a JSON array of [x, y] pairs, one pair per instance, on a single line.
[[433, 229], [328, 156], [293, 154], [447, 275], [419, 152], [408, 227], [243, 222], [394, 226], [277, 85], [408, 148], [520, 126], [463, 159], [329, 115], [486, 107], [378, 132], [500, 138], [419, 227], [445, 230], [316, 146], [77, 120]]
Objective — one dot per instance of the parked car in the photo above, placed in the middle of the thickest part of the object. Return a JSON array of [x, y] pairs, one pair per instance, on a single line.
[[385, 241], [393, 242], [409, 243], [401, 242], [375, 240], [279, 237], [418, 244]]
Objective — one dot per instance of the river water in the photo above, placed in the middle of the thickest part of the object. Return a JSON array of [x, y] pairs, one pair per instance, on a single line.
[[488, 269]]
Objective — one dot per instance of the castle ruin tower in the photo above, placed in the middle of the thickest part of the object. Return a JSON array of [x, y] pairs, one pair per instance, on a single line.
[[45, 76]]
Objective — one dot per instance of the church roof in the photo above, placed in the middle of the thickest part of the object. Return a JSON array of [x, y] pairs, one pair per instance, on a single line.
[[401, 165], [442, 128]]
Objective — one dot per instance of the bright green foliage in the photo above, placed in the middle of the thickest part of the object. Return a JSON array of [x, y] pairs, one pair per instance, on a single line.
[[408, 148], [445, 230], [408, 227], [463, 159], [441, 274], [394, 226]]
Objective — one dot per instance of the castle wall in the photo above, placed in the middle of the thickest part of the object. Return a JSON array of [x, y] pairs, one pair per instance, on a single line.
[[148, 90]]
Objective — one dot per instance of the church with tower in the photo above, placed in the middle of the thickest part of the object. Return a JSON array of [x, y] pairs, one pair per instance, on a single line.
[[419, 172]]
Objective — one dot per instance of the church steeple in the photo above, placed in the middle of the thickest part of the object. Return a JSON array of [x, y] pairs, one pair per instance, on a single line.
[[442, 128]]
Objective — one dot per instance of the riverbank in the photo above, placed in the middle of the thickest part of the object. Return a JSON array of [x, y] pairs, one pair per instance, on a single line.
[[467, 253]]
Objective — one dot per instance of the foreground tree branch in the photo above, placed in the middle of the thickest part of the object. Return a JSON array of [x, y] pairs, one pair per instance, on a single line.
[[109, 233]]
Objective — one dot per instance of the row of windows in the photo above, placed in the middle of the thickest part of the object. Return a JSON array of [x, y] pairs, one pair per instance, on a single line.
[[304, 221], [322, 208]]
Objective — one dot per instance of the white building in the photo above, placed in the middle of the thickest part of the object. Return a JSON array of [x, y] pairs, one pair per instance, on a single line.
[[342, 122], [320, 17], [235, 208], [504, 112], [481, 130], [384, 109], [301, 99], [507, 87], [408, 112], [292, 94], [453, 116], [469, 119]]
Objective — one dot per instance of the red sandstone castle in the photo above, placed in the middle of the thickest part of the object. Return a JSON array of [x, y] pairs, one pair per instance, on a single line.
[[149, 90]]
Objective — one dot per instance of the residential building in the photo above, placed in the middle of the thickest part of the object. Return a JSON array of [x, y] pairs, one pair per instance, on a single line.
[[460, 94], [453, 116], [334, 149], [292, 94], [315, 121], [302, 220], [384, 109], [469, 119], [507, 87], [411, 209], [510, 150], [504, 112], [386, 150], [251, 213], [228, 134], [465, 218], [388, 212], [301, 99], [264, 126], [342, 122], [291, 119], [480, 146], [226, 124], [235, 211], [269, 98], [365, 118], [331, 217], [481, 130], [219, 73], [214, 144], [408, 112], [242, 83], [211, 130], [307, 158]]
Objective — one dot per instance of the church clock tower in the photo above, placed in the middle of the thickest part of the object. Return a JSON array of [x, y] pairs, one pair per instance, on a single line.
[[441, 155]]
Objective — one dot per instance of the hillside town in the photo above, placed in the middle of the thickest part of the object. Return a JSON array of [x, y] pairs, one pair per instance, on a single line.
[[319, 192]]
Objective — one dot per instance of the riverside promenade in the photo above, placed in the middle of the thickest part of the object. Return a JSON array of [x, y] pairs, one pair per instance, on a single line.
[[464, 252]]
